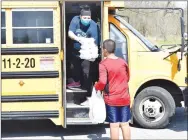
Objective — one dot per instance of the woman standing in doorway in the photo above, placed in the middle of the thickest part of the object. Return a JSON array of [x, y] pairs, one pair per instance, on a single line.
[[80, 28]]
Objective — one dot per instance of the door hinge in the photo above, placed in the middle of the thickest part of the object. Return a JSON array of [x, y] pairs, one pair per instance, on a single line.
[[61, 55]]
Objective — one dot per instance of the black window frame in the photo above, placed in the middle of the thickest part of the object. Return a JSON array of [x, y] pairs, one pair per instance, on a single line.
[[148, 44], [127, 58], [14, 28], [3, 27]]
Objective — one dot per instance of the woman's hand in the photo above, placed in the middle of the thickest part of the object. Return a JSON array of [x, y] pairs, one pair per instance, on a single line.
[[80, 40]]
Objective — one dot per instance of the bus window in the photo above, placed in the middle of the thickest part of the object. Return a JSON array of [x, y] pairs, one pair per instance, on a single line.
[[32, 26], [3, 28], [121, 42]]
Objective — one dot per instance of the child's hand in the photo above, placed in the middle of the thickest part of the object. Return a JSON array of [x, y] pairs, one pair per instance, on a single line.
[[95, 82]]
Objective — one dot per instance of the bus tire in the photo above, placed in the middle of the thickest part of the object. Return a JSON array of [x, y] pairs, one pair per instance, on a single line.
[[153, 107]]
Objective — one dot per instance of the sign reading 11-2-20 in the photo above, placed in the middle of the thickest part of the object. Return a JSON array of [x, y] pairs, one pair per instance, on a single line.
[[18, 63]]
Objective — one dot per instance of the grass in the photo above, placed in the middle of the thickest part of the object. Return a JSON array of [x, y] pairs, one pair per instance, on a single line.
[[162, 42]]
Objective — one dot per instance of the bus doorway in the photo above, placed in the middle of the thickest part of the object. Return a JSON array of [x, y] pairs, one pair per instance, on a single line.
[[75, 112]]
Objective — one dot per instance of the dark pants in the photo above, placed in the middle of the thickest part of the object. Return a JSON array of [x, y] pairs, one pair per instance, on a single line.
[[84, 71]]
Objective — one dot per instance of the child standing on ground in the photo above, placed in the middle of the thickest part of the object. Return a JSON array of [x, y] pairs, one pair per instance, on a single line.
[[113, 79]]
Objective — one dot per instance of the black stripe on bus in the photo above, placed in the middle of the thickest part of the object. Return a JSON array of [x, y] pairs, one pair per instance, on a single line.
[[25, 115], [32, 74], [30, 51], [29, 98]]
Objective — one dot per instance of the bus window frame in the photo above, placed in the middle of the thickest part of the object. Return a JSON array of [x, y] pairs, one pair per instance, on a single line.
[[4, 28], [150, 46], [33, 44], [127, 47]]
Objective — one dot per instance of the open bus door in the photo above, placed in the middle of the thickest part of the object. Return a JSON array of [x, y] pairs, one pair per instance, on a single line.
[[75, 114]]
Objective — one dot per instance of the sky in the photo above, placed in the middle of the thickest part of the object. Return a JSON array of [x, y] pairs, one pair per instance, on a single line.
[[182, 4]]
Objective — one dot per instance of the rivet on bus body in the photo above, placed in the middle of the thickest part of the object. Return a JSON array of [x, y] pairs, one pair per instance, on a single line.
[[21, 83]]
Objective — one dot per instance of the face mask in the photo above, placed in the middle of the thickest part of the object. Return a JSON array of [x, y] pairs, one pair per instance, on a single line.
[[85, 22]]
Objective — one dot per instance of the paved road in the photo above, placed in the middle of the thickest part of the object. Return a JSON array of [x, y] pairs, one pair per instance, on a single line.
[[177, 129]]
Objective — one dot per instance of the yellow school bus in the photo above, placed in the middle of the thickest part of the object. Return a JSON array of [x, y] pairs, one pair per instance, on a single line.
[[34, 55]]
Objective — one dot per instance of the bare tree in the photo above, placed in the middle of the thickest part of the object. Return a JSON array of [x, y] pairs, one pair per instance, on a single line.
[[159, 24]]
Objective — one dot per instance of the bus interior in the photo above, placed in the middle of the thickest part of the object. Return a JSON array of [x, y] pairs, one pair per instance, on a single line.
[[76, 95]]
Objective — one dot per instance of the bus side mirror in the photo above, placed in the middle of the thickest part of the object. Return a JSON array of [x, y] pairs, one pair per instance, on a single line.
[[182, 22], [185, 37], [182, 36]]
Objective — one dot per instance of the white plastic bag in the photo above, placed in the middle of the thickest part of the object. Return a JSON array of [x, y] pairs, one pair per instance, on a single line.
[[89, 55], [89, 51], [87, 42], [97, 109], [84, 54]]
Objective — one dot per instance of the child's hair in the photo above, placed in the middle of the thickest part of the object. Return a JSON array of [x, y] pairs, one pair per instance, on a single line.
[[109, 45]]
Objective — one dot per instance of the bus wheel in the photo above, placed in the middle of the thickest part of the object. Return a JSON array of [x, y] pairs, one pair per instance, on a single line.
[[153, 107]]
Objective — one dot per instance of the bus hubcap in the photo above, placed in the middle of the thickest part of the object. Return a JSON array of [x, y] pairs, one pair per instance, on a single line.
[[152, 109]]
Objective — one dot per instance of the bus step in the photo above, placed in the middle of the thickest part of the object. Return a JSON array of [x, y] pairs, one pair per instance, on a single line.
[[77, 112], [75, 96], [79, 121], [76, 90], [74, 106]]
